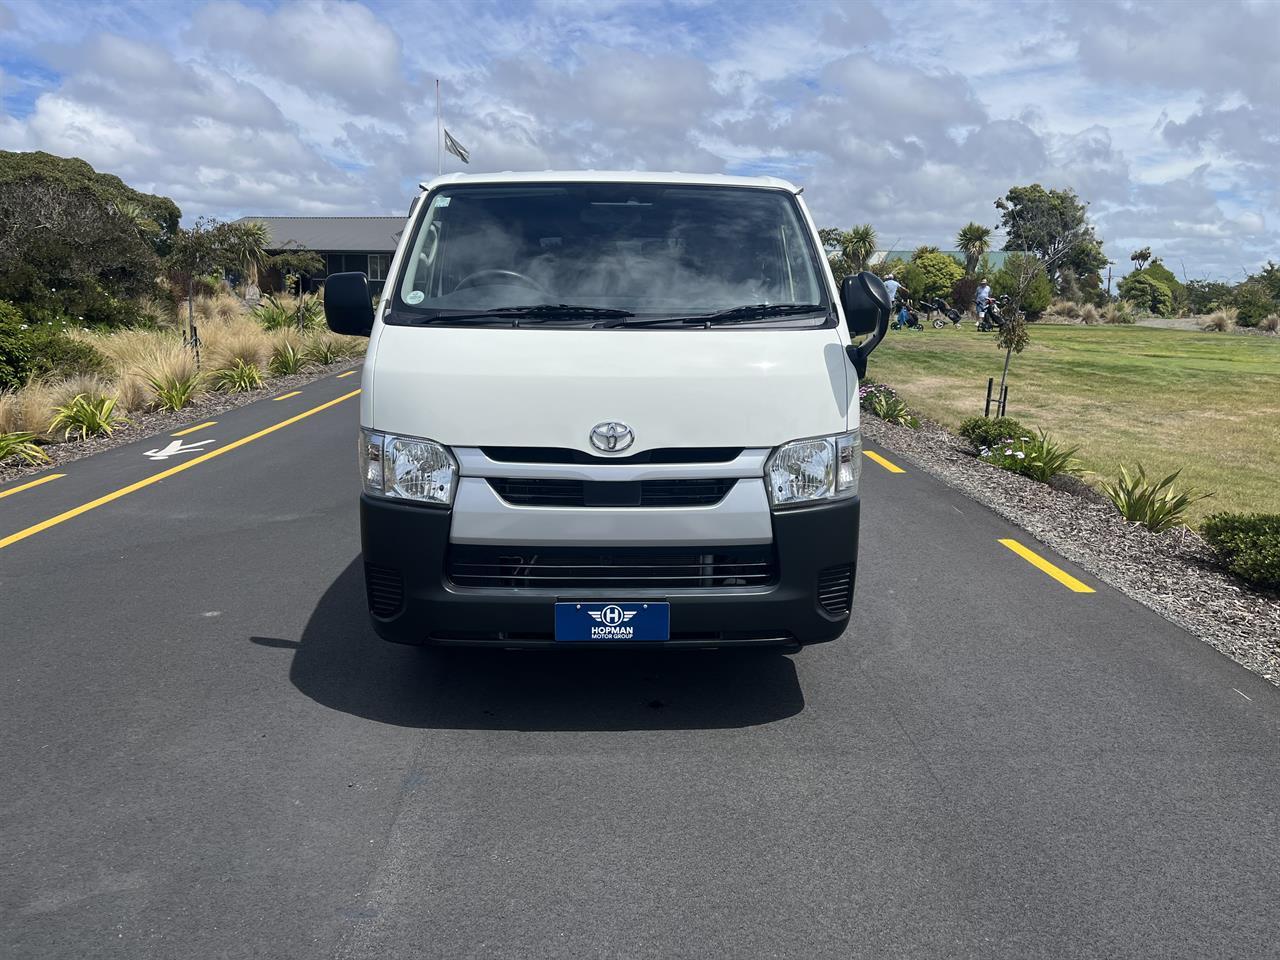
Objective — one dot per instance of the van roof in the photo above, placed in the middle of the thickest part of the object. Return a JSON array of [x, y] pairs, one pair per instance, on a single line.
[[611, 176]]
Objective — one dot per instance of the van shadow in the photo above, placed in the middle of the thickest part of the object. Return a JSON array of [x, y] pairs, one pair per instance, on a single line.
[[341, 663]]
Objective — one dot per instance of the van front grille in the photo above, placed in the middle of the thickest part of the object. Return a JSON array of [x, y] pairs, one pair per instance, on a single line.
[[835, 590], [566, 455], [617, 568], [385, 590], [548, 492]]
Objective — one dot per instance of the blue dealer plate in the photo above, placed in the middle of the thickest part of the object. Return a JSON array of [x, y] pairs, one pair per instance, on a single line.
[[613, 621]]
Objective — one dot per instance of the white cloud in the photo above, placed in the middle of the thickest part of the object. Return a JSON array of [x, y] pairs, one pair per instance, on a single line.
[[914, 116]]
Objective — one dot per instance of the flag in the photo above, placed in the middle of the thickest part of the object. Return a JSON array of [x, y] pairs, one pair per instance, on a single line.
[[458, 150]]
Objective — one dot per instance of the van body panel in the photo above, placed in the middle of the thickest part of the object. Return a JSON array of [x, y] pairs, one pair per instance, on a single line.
[[674, 388]]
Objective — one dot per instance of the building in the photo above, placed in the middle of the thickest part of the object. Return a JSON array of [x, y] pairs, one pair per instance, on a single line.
[[995, 258], [363, 244]]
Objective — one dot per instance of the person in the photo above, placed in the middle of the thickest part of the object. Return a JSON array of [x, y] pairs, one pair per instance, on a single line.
[[982, 298], [892, 286]]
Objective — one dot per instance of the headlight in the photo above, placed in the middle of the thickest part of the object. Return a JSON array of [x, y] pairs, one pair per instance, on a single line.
[[407, 468], [805, 471]]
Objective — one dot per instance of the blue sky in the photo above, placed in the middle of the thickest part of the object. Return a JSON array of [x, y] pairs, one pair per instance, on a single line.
[[913, 116]]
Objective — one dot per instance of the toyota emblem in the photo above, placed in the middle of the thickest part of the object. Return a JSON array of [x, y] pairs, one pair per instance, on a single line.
[[611, 436]]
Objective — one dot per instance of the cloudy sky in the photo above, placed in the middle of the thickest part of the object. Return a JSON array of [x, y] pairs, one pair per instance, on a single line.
[[914, 116]]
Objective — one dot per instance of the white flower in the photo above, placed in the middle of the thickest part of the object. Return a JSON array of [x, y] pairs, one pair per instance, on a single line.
[[1020, 455], [1008, 453], [1025, 439]]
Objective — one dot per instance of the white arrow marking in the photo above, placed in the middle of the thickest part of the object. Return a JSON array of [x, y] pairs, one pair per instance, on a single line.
[[175, 447]]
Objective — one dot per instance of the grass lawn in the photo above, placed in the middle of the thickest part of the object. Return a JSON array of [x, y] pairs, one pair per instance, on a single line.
[[1208, 404]]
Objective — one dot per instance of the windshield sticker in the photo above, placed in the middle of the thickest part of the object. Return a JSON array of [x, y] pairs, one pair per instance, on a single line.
[[414, 296]]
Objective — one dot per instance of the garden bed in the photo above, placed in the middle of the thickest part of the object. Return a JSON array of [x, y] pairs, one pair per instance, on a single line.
[[1173, 574], [142, 425]]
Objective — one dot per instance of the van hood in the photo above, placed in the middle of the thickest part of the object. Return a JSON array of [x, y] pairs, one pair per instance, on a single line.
[[535, 387]]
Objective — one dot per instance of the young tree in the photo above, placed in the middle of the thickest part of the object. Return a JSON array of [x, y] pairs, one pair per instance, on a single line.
[[973, 240], [1140, 257], [1023, 279]]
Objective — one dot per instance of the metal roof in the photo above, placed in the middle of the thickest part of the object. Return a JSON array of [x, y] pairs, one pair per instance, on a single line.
[[612, 176], [352, 234], [995, 258]]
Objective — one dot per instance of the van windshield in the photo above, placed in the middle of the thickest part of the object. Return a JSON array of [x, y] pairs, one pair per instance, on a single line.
[[611, 255]]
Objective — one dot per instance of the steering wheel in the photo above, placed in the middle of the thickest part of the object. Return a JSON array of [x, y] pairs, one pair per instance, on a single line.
[[483, 278]]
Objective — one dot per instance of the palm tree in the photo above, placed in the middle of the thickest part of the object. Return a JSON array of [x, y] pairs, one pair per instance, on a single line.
[[973, 240], [857, 245], [247, 247]]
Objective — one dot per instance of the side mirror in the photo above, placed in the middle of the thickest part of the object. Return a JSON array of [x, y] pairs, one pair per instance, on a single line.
[[348, 306], [865, 302]]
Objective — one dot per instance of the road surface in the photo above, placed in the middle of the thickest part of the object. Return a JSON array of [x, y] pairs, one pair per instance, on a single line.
[[205, 752]]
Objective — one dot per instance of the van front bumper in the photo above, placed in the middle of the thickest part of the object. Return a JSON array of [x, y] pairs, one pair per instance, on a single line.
[[412, 599]]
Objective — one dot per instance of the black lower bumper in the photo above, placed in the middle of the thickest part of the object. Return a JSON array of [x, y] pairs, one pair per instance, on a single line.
[[412, 600]]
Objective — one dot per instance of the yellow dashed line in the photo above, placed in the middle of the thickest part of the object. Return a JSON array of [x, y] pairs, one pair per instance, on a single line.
[[198, 426], [286, 396], [891, 467], [1033, 558], [349, 373], [28, 486], [164, 474]]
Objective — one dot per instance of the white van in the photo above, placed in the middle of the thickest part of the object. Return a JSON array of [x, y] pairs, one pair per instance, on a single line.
[[610, 409]]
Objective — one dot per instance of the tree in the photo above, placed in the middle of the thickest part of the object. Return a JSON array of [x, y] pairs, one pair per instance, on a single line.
[[1140, 257], [294, 263], [74, 242], [848, 250], [1023, 279], [1053, 225], [1143, 290], [1205, 296], [246, 246], [931, 274], [973, 240]]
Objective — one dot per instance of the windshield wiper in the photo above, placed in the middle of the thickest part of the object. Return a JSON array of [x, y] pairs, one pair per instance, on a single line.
[[744, 314], [534, 313]]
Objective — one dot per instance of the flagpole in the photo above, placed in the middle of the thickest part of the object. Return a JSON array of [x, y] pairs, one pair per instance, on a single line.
[[439, 145]]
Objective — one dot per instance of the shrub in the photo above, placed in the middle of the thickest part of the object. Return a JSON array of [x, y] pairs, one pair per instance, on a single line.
[[278, 311], [931, 274], [240, 377], [173, 387], [86, 416], [884, 402], [1253, 301], [1089, 315], [286, 358], [984, 432], [1151, 503], [226, 341], [21, 445], [1118, 312], [133, 392], [323, 351], [893, 410], [29, 350], [1147, 293], [1036, 457], [1270, 323], [1248, 545], [1221, 320]]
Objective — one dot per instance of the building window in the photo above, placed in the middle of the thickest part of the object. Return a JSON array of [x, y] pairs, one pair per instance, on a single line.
[[378, 264]]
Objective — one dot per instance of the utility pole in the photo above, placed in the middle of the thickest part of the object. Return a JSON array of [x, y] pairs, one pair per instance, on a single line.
[[1110, 263]]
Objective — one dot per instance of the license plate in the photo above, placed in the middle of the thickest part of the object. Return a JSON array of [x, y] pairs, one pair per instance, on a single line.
[[613, 621]]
